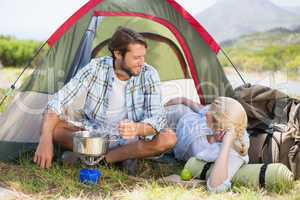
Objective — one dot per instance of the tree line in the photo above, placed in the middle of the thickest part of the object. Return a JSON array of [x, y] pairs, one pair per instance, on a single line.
[[16, 53], [271, 58]]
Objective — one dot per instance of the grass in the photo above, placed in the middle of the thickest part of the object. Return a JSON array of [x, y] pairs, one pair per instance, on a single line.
[[6, 102], [11, 72], [8, 76], [61, 182]]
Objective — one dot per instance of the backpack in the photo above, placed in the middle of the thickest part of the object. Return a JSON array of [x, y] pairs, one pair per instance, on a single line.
[[273, 125]]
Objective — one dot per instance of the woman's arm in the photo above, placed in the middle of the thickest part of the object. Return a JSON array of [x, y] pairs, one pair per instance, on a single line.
[[220, 170], [235, 162], [225, 166], [185, 101]]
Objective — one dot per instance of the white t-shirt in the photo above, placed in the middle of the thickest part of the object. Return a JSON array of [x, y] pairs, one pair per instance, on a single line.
[[117, 110]]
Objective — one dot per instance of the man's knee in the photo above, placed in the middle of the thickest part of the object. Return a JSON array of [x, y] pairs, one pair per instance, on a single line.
[[166, 140], [63, 134]]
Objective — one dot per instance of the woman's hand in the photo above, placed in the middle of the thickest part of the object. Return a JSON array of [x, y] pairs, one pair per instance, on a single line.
[[219, 135]]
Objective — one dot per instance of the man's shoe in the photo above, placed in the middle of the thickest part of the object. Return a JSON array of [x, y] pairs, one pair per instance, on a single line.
[[130, 166]]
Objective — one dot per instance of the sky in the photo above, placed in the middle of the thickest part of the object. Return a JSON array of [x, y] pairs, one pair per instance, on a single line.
[[37, 19]]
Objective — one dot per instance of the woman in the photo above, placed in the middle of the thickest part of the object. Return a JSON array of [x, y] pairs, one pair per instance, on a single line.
[[213, 133]]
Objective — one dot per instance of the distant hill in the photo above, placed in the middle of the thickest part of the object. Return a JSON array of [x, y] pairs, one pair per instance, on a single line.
[[273, 37], [229, 19]]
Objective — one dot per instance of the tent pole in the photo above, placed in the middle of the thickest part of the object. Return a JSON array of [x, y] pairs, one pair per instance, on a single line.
[[236, 69], [13, 86]]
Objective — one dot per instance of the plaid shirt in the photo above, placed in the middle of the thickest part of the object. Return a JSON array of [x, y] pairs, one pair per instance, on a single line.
[[92, 87]]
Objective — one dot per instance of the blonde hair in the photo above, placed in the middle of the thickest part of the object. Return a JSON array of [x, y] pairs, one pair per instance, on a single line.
[[229, 114]]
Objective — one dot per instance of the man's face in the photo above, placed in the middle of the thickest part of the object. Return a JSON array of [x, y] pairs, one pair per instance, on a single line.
[[134, 59]]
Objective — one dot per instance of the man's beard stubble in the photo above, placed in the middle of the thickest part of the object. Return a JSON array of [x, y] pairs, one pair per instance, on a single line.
[[125, 69]]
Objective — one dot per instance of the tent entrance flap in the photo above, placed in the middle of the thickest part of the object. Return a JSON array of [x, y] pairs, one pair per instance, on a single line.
[[83, 54], [163, 51], [14, 149]]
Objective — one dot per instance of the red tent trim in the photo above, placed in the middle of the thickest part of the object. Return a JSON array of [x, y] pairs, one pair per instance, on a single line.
[[176, 34], [92, 3], [196, 25]]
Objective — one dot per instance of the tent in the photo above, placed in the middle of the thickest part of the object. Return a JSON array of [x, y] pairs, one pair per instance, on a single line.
[[179, 48]]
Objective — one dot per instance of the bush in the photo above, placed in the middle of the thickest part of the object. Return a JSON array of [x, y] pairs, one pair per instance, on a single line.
[[294, 64], [15, 52], [271, 58]]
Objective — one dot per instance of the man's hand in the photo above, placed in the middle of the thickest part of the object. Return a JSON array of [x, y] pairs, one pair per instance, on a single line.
[[128, 129], [44, 153]]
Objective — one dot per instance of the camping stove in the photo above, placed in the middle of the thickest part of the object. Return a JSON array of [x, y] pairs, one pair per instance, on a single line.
[[90, 146], [91, 160]]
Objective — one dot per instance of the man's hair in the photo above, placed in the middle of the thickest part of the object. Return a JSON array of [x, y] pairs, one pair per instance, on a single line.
[[122, 38]]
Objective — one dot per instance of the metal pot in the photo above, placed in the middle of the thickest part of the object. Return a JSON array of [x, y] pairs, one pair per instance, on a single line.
[[89, 144]]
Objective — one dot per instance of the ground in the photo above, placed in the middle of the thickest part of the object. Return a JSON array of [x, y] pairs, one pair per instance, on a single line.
[[62, 182]]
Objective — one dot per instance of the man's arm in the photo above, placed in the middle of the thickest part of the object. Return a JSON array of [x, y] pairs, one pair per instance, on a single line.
[[44, 152], [154, 113], [76, 88], [56, 109]]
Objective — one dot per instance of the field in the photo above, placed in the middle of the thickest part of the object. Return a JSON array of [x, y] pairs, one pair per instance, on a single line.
[[61, 182]]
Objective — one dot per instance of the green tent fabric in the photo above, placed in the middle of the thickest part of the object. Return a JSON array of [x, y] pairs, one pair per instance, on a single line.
[[164, 19], [273, 176], [179, 48]]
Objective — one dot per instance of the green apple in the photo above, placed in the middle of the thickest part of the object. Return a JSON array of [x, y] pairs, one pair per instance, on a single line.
[[186, 175]]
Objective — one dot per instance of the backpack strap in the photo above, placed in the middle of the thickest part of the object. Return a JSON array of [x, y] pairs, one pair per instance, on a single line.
[[262, 175], [267, 142], [205, 170]]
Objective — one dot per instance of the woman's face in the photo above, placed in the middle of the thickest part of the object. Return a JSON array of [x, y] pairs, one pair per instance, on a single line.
[[212, 122]]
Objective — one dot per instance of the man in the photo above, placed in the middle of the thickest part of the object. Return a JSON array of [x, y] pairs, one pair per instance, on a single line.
[[122, 97]]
